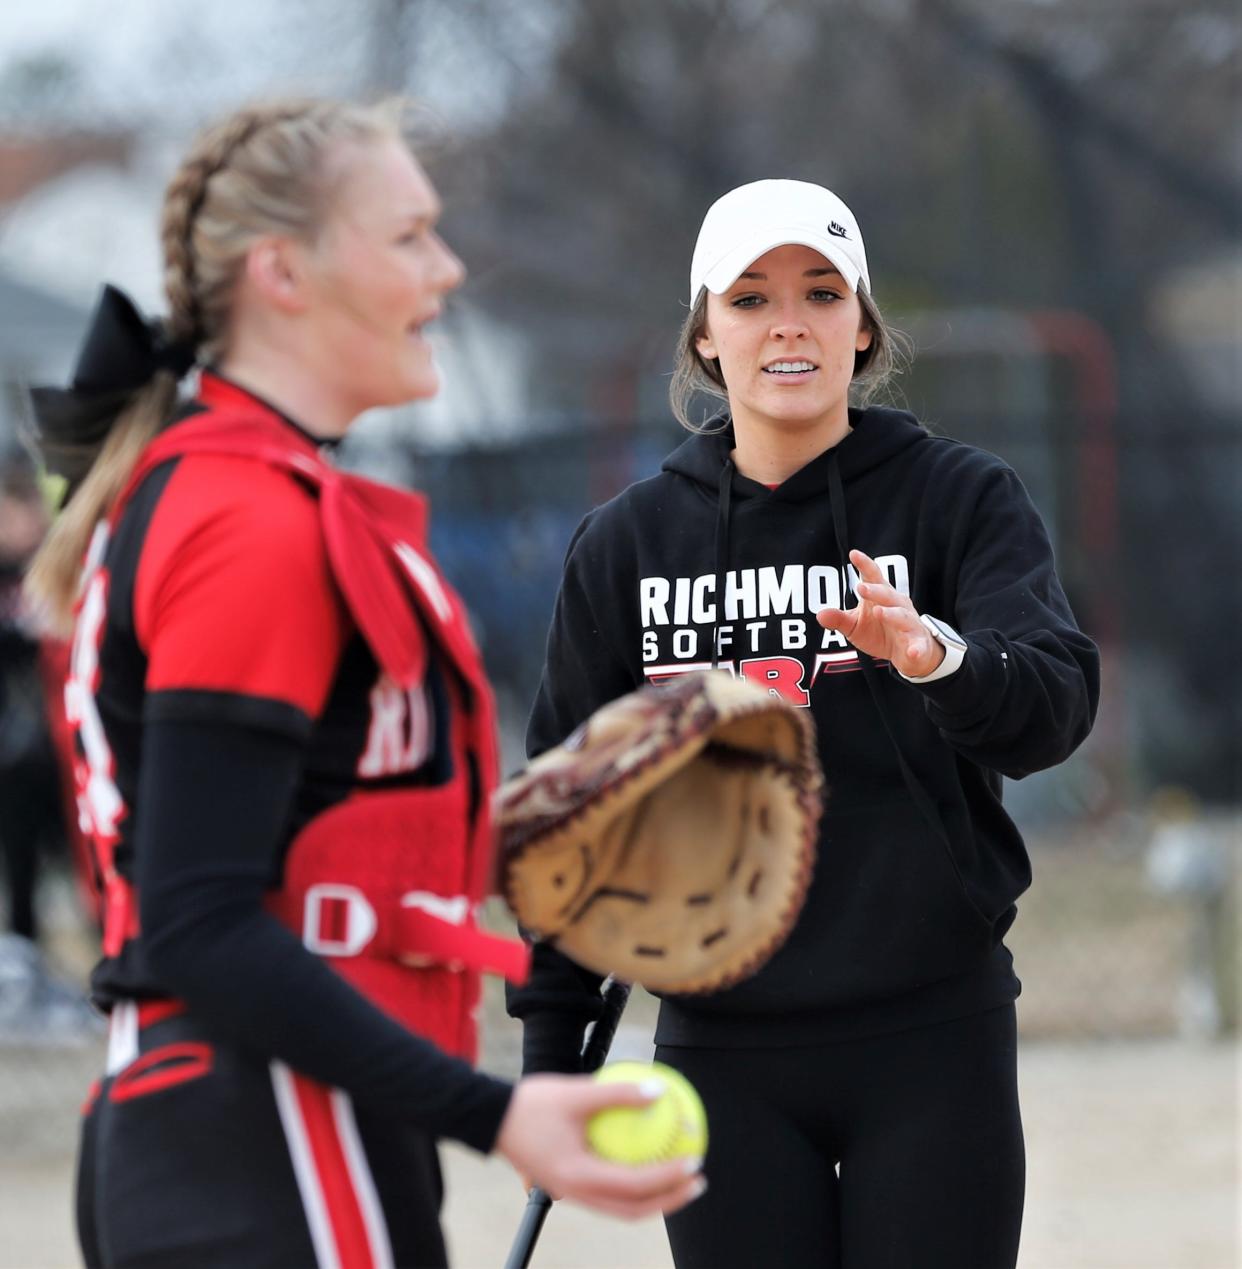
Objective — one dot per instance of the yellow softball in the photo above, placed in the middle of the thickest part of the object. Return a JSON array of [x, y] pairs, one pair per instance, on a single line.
[[674, 1126]]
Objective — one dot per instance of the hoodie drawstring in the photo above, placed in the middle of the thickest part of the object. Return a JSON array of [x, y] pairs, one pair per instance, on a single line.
[[724, 504], [914, 786]]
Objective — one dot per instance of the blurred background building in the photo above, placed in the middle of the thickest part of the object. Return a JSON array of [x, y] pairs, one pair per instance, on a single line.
[[1051, 195]]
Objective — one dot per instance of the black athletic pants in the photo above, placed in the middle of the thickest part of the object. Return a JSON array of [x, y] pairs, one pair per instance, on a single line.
[[196, 1155], [902, 1151]]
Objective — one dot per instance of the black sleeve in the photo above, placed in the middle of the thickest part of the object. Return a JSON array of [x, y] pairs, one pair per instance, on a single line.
[[582, 671], [1026, 694], [213, 799]]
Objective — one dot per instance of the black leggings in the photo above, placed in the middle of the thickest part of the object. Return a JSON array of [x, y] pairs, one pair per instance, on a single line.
[[902, 1151]]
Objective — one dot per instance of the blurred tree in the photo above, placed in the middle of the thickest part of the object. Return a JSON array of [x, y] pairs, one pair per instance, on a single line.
[[997, 154]]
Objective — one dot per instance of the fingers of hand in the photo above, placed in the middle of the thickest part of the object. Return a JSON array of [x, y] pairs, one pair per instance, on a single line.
[[882, 594], [634, 1191], [867, 568], [529, 1183], [662, 1206], [897, 616], [594, 1097], [837, 619], [633, 1181]]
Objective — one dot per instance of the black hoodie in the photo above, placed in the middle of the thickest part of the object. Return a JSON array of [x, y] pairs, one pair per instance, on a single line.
[[918, 865]]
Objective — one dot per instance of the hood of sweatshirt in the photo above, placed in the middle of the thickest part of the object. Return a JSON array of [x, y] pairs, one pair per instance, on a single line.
[[876, 435]]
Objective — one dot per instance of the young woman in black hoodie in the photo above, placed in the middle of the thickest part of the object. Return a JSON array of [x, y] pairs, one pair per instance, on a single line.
[[861, 1088]]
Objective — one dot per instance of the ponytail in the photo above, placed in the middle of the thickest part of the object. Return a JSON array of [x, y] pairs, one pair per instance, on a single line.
[[52, 581]]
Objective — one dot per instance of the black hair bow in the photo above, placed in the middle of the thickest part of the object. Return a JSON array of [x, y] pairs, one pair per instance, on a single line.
[[121, 353]]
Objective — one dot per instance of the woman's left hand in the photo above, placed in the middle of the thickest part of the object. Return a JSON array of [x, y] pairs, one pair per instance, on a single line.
[[885, 624]]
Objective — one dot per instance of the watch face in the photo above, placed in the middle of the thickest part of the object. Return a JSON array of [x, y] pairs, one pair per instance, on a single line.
[[944, 632]]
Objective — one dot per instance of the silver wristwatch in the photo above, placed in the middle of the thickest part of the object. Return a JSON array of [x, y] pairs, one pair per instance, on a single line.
[[954, 650]]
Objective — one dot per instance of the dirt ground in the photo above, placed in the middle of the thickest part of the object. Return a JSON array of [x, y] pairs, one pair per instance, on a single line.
[[1132, 1153]]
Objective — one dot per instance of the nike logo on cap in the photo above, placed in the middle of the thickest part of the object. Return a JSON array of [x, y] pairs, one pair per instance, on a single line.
[[836, 230]]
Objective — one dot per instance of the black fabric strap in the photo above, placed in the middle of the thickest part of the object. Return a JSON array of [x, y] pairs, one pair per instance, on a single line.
[[724, 507]]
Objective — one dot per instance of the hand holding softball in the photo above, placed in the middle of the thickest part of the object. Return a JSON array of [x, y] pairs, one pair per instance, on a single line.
[[544, 1136], [885, 624]]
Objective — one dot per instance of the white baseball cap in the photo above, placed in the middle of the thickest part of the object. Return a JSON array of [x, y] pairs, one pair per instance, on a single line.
[[748, 221]]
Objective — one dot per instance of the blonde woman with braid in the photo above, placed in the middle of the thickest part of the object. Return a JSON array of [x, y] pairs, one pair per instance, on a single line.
[[284, 738]]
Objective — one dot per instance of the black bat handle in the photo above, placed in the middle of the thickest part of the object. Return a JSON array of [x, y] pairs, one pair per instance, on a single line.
[[595, 1051], [538, 1205], [594, 1054]]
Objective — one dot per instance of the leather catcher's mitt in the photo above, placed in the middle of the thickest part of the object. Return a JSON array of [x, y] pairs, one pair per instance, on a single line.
[[671, 839]]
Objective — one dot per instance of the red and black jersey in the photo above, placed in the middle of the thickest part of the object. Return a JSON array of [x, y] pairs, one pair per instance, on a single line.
[[227, 703], [213, 600]]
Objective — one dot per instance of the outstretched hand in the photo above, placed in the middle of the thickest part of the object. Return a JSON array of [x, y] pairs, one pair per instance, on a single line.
[[543, 1134], [884, 624]]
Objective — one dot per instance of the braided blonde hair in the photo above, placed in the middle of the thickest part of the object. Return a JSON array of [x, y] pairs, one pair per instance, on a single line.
[[266, 169]]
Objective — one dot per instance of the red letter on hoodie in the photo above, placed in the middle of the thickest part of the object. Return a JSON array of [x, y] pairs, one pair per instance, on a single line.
[[782, 676]]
